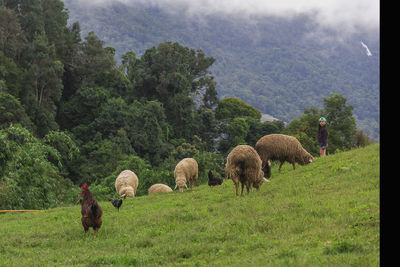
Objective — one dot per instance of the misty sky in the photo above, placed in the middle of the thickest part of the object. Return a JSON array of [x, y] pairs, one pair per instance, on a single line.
[[349, 14]]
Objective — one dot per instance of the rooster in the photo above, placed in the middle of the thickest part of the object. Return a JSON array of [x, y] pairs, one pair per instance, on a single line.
[[116, 202], [91, 211]]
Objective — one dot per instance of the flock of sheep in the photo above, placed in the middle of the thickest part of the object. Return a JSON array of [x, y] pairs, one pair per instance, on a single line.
[[244, 165]]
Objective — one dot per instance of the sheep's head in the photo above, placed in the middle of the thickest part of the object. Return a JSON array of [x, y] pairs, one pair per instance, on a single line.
[[267, 169], [306, 158], [180, 184], [260, 180], [127, 192]]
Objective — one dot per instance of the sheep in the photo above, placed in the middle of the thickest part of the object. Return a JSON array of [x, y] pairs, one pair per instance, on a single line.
[[126, 184], [213, 180], [156, 188], [282, 148], [186, 170], [243, 165]]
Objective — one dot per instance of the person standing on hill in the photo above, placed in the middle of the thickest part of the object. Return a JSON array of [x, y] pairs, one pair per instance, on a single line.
[[322, 136]]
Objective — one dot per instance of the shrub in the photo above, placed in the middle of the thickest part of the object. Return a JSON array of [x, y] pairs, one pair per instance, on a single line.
[[30, 180]]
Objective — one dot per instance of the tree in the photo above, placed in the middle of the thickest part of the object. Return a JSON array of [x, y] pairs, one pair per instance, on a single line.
[[341, 122], [129, 61], [230, 107], [95, 61], [147, 130], [361, 139], [70, 55], [176, 76], [42, 84], [10, 74], [30, 180], [45, 73], [30, 16], [113, 116], [12, 112], [68, 151], [55, 19], [12, 39], [207, 127], [83, 107], [102, 160], [341, 125], [236, 131]]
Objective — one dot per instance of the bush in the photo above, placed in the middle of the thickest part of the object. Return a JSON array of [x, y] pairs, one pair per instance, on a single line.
[[361, 139], [30, 180]]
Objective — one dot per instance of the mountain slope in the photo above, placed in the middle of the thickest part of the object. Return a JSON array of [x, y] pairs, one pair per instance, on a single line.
[[324, 213], [279, 66]]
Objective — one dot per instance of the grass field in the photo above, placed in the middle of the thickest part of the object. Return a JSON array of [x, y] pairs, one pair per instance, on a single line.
[[322, 214]]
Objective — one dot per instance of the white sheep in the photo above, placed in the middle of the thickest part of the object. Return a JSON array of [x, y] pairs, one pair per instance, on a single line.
[[156, 188], [126, 184], [186, 170]]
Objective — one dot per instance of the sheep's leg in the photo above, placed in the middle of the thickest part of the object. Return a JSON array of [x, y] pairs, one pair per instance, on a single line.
[[237, 188], [280, 166], [241, 193], [249, 188], [191, 185], [294, 165]]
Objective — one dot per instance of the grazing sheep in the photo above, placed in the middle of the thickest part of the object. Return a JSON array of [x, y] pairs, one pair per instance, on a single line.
[[186, 170], [243, 165], [213, 180], [282, 148], [126, 184], [156, 188]]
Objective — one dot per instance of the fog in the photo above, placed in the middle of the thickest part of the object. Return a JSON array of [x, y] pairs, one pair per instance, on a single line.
[[342, 14]]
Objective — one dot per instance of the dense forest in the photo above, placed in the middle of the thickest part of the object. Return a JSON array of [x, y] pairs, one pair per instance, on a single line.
[[72, 114], [278, 65]]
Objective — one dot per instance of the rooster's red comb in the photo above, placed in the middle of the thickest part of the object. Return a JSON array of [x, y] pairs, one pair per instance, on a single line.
[[84, 186]]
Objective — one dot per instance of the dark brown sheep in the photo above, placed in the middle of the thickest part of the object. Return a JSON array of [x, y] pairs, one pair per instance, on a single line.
[[282, 148], [243, 165]]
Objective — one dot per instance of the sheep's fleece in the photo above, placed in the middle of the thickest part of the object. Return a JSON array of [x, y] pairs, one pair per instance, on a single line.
[[186, 170], [156, 188], [126, 183], [243, 165]]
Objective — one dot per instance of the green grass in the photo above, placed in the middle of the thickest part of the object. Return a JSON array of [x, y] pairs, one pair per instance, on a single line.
[[322, 214]]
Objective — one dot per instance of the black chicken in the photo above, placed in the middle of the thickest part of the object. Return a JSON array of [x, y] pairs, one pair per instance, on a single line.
[[116, 202], [213, 180]]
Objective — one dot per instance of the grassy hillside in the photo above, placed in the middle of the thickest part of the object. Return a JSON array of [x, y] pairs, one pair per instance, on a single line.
[[322, 214]]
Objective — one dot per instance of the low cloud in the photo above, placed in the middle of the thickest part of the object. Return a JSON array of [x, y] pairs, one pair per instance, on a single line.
[[349, 15]]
